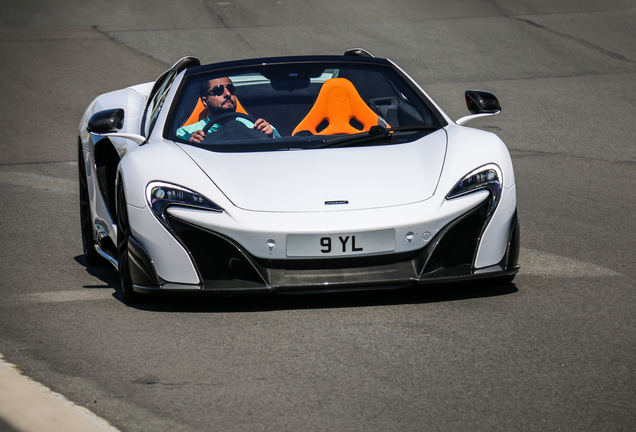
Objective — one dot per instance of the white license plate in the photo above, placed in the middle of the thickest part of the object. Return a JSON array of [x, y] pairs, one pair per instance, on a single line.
[[326, 245]]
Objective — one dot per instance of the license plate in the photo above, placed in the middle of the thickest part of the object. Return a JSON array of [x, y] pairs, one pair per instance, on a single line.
[[327, 245]]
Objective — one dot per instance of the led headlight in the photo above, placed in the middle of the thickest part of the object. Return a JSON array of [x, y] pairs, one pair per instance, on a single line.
[[160, 196], [487, 177]]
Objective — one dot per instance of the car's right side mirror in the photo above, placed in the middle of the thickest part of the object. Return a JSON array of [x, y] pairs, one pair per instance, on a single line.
[[480, 103]]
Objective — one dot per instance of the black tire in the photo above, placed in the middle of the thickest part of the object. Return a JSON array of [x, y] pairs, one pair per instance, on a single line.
[[86, 217], [123, 232]]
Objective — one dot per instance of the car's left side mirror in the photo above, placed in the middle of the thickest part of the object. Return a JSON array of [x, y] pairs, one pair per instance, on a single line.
[[480, 104], [106, 121]]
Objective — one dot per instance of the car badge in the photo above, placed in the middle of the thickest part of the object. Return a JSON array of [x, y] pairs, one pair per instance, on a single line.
[[338, 202]]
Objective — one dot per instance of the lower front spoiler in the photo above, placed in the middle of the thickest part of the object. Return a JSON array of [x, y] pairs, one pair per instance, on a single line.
[[232, 288]]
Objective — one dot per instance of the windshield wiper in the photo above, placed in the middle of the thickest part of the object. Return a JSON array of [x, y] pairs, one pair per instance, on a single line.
[[377, 132]]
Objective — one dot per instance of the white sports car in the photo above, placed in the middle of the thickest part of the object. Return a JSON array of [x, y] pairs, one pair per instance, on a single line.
[[301, 173]]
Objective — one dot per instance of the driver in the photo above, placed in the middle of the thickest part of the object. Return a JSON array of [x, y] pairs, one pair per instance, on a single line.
[[218, 97]]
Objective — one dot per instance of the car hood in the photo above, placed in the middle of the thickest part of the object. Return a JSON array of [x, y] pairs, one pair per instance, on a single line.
[[331, 179]]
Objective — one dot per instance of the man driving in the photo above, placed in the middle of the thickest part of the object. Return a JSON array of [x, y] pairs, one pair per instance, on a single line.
[[219, 97]]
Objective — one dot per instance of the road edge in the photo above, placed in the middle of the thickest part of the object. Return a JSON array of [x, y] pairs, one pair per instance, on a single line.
[[29, 406]]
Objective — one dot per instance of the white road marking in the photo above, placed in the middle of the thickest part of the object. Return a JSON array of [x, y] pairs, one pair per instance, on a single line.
[[70, 295], [532, 262], [28, 406], [38, 181], [539, 263]]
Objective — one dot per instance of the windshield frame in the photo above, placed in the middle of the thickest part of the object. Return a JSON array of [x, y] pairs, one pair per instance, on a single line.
[[267, 67]]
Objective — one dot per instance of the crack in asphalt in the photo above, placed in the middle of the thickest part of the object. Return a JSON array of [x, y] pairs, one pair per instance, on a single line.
[[521, 152], [581, 41], [225, 25]]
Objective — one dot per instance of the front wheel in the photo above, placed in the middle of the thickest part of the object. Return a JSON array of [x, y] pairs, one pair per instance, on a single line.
[[123, 232]]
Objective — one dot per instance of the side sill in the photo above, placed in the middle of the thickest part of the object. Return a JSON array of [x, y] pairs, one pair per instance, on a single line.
[[141, 265], [107, 257]]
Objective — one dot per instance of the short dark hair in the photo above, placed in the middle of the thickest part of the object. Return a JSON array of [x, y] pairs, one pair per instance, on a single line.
[[204, 87]]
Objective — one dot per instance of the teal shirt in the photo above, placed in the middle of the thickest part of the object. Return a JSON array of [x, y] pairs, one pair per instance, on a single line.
[[186, 132]]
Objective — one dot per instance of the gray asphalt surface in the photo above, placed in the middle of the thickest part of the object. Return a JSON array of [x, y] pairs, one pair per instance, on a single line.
[[553, 351]]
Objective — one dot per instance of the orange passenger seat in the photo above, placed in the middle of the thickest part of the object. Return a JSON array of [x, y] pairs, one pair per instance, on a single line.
[[337, 106]]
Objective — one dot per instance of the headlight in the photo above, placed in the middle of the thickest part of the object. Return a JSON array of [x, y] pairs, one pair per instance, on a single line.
[[487, 177], [160, 196]]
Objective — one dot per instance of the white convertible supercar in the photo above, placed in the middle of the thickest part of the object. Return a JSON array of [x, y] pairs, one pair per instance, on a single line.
[[294, 173]]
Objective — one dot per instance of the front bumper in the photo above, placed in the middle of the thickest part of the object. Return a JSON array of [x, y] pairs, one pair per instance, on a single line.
[[225, 267]]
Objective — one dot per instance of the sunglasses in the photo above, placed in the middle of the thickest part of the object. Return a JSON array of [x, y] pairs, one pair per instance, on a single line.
[[220, 89]]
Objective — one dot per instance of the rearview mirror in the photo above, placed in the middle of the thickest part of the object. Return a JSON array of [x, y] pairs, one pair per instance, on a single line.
[[290, 84]]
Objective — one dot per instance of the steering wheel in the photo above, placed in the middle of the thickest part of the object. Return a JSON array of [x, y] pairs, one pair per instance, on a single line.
[[234, 114]]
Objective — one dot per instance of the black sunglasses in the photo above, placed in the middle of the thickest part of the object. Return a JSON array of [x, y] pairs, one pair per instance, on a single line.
[[220, 89]]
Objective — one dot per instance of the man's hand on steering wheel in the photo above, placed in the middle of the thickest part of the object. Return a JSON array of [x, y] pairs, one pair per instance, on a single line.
[[263, 126], [260, 125], [197, 137]]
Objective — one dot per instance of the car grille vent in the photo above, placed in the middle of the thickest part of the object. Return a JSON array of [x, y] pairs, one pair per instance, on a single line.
[[106, 161], [458, 242], [102, 179], [216, 257]]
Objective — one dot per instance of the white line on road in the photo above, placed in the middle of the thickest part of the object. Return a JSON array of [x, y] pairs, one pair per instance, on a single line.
[[532, 262], [38, 181], [70, 295], [539, 263], [30, 407]]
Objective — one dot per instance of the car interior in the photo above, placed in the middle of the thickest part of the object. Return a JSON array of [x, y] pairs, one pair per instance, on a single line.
[[339, 101]]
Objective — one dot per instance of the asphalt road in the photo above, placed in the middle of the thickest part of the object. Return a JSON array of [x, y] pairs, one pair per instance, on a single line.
[[556, 350]]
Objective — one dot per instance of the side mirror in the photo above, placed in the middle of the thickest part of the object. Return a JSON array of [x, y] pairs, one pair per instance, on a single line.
[[106, 121], [480, 104]]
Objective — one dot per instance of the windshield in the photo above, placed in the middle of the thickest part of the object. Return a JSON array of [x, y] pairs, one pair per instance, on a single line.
[[299, 106]]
